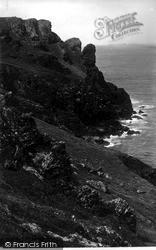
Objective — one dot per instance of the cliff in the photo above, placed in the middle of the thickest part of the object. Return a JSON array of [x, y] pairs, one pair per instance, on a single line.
[[56, 187], [63, 80]]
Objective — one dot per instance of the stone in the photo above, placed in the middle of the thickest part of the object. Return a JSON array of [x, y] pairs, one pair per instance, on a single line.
[[31, 26], [133, 132], [88, 55], [140, 111], [74, 44], [44, 27]]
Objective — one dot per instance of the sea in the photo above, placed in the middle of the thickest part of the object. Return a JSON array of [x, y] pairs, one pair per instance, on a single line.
[[133, 67]]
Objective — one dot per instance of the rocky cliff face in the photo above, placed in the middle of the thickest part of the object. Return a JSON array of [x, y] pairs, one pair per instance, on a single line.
[[55, 187], [64, 80]]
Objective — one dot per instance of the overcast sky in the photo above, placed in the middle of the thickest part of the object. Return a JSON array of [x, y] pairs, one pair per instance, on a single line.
[[75, 18]]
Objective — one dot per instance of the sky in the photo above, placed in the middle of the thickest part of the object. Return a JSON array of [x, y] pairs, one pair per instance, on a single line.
[[75, 18]]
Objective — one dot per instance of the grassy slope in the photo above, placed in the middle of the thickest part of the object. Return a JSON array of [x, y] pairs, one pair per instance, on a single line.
[[139, 193], [25, 199]]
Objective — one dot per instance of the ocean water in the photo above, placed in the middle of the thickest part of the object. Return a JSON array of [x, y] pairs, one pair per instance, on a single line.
[[133, 68]]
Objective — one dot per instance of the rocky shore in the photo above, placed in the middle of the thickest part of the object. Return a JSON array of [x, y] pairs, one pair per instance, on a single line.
[[57, 184]]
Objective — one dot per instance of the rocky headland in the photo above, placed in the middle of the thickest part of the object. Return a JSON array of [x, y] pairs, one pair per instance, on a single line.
[[56, 185]]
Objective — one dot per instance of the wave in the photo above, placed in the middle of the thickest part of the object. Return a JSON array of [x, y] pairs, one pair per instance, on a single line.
[[134, 101], [148, 106]]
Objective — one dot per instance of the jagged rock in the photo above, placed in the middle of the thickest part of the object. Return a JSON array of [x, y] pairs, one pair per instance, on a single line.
[[27, 146], [88, 55], [31, 26], [11, 28], [133, 132], [17, 28], [44, 27], [57, 82], [33, 31], [74, 44], [54, 38], [140, 111], [54, 164]]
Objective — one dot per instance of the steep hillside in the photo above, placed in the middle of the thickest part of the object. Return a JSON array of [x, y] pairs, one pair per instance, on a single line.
[[55, 186], [80, 194]]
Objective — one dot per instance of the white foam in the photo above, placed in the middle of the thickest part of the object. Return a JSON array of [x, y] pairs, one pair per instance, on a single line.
[[114, 140], [130, 123], [134, 101], [148, 106]]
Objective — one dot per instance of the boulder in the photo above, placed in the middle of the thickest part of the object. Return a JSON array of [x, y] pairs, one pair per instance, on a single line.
[[74, 44], [140, 111], [133, 132]]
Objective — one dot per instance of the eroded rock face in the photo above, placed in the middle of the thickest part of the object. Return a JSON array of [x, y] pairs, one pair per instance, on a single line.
[[88, 54], [74, 44], [58, 76], [23, 146], [31, 26], [44, 27], [27, 31]]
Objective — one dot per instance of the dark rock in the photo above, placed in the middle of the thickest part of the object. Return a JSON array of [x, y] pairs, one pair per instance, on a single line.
[[99, 141], [88, 55], [74, 44], [44, 27], [126, 129], [54, 38], [133, 132], [31, 26], [140, 111], [102, 142], [26, 146]]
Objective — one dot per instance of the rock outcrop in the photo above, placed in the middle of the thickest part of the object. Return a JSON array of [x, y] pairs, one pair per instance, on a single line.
[[27, 31], [74, 44], [57, 75], [88, 55]]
